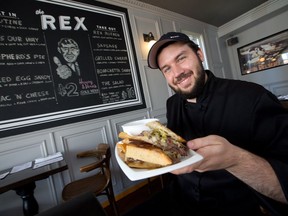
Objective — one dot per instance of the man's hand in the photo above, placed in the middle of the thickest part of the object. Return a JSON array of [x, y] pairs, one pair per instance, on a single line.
[[217, 154], [63, 70]]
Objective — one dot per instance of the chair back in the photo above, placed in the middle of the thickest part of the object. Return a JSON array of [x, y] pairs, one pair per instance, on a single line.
[[98, 184], [102, 154]]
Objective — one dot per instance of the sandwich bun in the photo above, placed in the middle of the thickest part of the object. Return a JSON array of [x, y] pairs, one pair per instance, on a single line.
[[142, 155], [153, 148]]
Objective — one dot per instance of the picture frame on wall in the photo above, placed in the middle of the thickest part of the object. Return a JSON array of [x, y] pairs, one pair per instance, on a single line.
[[265, 53]]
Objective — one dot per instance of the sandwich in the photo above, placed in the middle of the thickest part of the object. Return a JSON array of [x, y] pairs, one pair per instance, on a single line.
[[154, 148]]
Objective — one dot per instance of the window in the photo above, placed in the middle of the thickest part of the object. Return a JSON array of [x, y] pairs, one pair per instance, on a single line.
[[198, 39]]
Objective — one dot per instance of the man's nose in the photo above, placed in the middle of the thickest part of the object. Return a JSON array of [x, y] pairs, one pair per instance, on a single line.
[[177, 70]]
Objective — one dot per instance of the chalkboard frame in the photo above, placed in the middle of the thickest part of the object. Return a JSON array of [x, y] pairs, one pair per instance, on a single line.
[[29, 123]]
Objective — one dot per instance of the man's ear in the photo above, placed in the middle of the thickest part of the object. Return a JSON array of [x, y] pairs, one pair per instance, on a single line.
[[59, 50], [200, 54]]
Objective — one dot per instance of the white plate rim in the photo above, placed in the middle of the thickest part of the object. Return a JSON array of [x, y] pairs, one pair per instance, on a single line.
[[138, 174]]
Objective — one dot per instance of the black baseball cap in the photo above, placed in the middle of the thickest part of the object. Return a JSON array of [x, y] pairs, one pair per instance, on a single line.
[[165, 38]]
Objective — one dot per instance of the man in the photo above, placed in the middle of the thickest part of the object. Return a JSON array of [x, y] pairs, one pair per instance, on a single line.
[[70, 52], [239, 128]]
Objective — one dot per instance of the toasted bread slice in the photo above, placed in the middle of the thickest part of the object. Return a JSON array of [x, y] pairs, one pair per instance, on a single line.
[[124, 135], [143, 155], [149, 154]]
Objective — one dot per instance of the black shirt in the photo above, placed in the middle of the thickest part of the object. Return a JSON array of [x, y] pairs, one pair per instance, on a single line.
[[247, 115]]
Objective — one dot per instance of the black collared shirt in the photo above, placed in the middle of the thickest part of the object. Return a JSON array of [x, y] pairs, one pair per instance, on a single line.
[[247, 115]]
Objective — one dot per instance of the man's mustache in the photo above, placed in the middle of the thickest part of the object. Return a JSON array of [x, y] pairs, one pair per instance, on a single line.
[[182, 76]]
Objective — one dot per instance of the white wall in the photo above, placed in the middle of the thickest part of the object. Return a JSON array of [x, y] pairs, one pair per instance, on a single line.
[[275, 79]]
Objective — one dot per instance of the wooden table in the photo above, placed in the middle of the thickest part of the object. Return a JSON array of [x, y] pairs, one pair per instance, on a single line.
[[23, 183]]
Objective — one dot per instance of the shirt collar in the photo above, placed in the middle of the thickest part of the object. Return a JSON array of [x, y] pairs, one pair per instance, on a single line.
[[207, 90]]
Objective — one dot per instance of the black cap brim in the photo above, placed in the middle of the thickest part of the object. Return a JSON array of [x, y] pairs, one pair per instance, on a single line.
[[166, 38]]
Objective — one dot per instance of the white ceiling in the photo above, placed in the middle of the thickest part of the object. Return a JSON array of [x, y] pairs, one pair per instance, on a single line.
[[214, 12]]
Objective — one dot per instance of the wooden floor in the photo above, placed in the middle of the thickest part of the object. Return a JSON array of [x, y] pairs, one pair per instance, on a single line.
[[136, 198]]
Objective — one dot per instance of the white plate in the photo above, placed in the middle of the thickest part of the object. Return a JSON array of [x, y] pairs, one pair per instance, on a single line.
[[137, 174], [136, 127]]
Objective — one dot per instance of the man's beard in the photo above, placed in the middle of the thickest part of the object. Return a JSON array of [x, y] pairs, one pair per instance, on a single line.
[[197, 88]]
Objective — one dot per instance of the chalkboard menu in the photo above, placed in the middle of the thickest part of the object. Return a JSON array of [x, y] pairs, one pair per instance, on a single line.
[[63, 62]]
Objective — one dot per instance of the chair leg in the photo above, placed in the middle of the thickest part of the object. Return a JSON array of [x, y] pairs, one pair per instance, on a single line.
[[111, 199]]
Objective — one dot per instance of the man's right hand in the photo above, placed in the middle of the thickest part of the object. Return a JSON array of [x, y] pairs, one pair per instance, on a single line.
[[63, 70]]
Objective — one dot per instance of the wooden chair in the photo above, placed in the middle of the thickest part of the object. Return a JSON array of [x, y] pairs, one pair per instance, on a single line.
[[100, 183]]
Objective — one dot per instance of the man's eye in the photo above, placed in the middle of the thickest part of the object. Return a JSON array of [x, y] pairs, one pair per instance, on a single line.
[[166, 70], [180, 59]]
